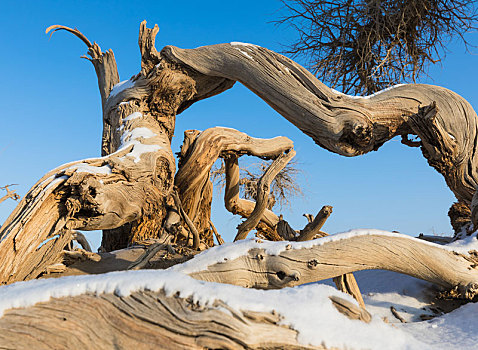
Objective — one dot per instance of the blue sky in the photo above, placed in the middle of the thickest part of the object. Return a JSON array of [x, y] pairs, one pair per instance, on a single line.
[[51, 114]]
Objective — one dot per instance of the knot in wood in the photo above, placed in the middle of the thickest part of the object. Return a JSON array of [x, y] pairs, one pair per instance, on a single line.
[[312, 263], [286, 277]]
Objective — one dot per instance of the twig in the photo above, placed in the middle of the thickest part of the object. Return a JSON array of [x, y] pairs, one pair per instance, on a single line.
[[74, 31], [185, 217], [397, 315], [10, 193], [218, 236], [309, 217], [148, 254]]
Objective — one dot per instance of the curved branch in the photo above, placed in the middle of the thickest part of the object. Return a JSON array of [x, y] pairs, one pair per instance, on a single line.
[[262, 197], [74, 31], [104, 63], [348, 125], [233, 202], [300, 263], [207, 147]]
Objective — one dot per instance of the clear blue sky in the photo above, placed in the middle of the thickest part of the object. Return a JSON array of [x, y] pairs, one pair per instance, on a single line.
[[51, 114]]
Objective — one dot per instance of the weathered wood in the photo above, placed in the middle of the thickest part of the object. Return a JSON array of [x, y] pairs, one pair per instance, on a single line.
[[199, 152], [127, 188], [312, 229], [219, 239], [10, 194], [351, 310], [81, 239], [397, 315], [233, 202], [333, 257], [143, 320], [348, 284], [347, 125], [91, 194], [285, 231], [196, 199], [188, 221], [328, 258], [345, 283]]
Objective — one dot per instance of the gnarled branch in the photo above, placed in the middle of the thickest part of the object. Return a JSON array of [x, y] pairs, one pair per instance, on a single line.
[[305, 262], [349, 125]]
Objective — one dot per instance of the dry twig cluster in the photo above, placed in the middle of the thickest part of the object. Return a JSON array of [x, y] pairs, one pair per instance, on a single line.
[[363, 46], [283, 187]]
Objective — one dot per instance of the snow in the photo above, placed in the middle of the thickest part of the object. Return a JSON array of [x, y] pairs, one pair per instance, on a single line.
[[133, 116], [131, 138], [455, 330], [464, 244], [86, 168], [238, 43], [369, 96], [126, 84], [307, 308], [244, 53], [55, 182]]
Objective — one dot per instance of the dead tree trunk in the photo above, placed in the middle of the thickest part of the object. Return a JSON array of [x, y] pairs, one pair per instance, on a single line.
[[128, 191]]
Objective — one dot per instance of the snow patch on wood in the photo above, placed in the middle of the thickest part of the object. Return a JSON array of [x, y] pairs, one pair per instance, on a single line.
[[133, 116], [306, 309], [238, 43], [86, 168], [369, 96], [244, 53], [126, 84], [131, 138]]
